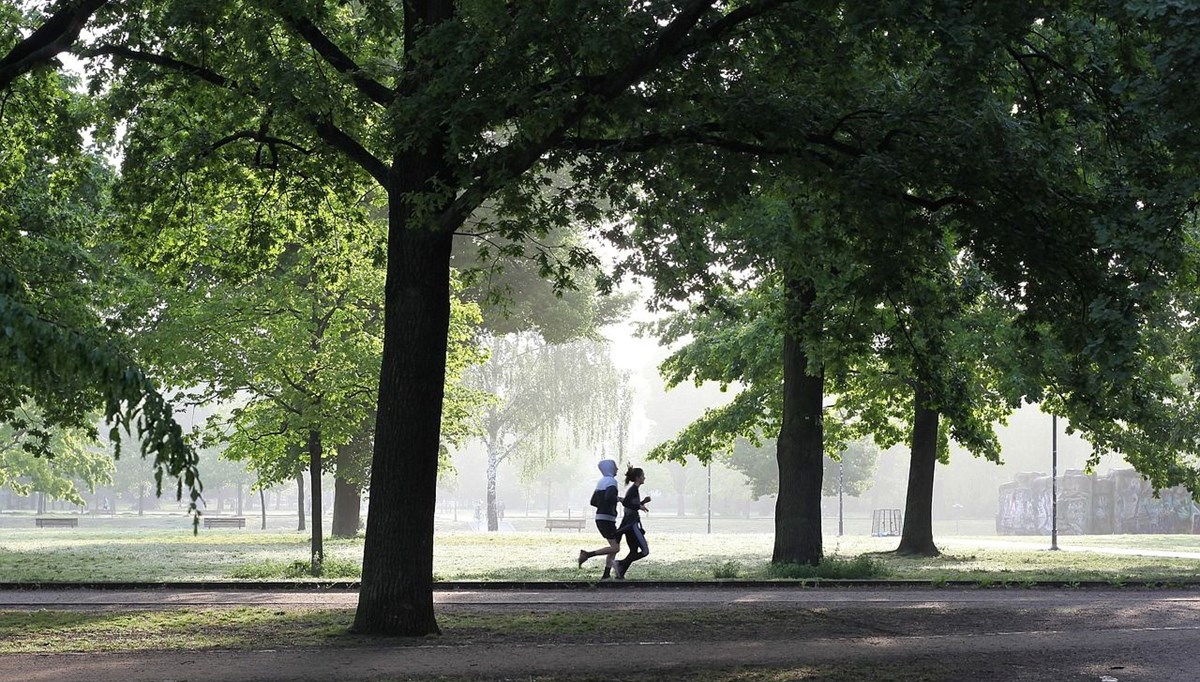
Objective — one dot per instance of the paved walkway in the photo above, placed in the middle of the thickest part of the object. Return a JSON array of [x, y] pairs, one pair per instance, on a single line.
[[1100, 635], [647, 596]]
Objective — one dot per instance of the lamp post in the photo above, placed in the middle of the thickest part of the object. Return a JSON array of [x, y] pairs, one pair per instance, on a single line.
[[710, 497], [1053, 482], [841, 485]]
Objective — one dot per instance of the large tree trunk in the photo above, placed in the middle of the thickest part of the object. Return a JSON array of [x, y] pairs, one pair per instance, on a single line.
[[347, 498], [396, 593], [314, 476], [917, 536], [800, 449]]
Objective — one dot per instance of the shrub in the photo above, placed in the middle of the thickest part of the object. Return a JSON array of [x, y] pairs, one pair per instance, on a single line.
[[831, 568], [727, 570]]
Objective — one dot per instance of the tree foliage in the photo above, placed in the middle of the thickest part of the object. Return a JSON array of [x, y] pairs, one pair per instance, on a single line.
[[853, 468], [75, 462], [62, 345], [1052, 139]]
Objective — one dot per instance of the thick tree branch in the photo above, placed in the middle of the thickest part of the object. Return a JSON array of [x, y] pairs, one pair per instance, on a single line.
[[324, 128], [1033, 83], [704, 135], [333, 55], [517, 158], [709, 135], [167, 61], [338, 139], [56, 35]]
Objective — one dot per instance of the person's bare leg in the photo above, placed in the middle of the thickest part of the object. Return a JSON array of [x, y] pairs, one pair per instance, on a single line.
[[613, 547]]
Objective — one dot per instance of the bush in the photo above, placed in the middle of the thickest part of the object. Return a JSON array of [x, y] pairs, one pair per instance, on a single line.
[[830, 568], [727, 570]]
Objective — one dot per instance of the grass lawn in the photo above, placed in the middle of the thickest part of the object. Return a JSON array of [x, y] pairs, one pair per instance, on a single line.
[[166, 554]]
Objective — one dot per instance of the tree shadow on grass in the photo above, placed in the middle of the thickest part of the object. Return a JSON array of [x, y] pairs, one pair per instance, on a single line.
[[118, 629]]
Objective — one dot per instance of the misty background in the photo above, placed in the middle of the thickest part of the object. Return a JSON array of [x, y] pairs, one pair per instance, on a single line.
[[965, 491]]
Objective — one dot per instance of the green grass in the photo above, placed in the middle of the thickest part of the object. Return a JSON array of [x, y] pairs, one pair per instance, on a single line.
[[258, 627], [255, 628], [172, 555]]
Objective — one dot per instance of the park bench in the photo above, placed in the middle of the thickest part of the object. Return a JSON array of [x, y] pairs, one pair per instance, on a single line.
[[56, 522], [224, 521], [577, 524]]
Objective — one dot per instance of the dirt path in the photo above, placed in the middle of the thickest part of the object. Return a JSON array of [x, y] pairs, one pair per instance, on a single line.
[[835, 634]]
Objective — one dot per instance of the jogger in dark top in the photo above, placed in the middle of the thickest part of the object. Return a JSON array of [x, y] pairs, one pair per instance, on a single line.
[[631, 523], [604, 499]]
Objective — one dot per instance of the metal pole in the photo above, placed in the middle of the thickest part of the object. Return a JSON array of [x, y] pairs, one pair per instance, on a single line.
[[1054, 482], [710, 497], [841, 482]]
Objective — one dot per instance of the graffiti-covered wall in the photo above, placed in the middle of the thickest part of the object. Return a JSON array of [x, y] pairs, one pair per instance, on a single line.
[[1117, 502]]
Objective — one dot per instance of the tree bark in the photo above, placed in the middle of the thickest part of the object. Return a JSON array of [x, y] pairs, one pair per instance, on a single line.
[[262, 504], [800, 448], [916, 538], [56, 35], [314, 475], [347, 500], [396, 593], [493, 464]]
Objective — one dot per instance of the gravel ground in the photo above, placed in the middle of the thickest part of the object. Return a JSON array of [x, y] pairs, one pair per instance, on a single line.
[[746, 633]]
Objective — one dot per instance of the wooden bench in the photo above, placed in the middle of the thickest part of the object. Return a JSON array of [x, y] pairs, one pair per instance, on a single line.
[[224, 521], [577, 524], [57, 522]]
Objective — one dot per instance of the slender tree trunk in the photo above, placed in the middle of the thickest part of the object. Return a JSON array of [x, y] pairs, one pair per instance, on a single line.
[[916, 538], [314, 475], [800, 449], [262, 503], [347, 498], [396, 593], [493, 463], [300, 500]]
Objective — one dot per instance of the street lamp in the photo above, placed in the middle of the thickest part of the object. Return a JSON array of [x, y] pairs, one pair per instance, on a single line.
[[710, 497], [1053, 482], [841, 486]]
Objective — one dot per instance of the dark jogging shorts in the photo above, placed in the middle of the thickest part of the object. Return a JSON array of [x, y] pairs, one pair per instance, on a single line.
[[608, 529]]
